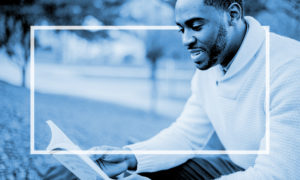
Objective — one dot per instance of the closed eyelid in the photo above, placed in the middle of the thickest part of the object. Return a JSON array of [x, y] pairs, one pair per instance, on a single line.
[[195, 21], [197, 24]]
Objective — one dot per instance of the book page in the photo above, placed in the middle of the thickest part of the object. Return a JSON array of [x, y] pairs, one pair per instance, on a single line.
[[80, 165]]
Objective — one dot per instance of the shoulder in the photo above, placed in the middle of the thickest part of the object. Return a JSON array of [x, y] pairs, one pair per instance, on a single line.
[[284, 44], [284, 51], [284, 57]]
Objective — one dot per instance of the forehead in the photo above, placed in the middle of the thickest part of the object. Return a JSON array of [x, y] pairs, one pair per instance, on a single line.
[[190, 9]]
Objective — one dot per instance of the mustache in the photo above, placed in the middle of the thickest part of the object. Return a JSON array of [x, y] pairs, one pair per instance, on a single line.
[[195, 48]]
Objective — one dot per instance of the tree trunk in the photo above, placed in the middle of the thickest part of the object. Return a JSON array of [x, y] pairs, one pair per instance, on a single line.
[[153, 87], [24, 75], [26, 60]]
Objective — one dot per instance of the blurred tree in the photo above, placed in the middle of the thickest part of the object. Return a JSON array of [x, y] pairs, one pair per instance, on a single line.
[[141, 12], [161, 44], [15, 30], [294, 8], [77, 12], [283, 16], [154, 51], [254, 7], [16, 17]]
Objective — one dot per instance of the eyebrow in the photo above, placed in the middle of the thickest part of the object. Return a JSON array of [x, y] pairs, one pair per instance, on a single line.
[[191, 21]]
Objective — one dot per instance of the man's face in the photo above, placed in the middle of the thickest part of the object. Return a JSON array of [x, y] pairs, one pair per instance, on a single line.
[[203, 31]]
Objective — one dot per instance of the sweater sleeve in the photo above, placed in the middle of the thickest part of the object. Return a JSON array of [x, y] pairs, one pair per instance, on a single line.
[[283, 160], [190, 131]]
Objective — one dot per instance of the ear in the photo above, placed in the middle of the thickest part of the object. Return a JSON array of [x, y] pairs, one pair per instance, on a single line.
[[235, 13]]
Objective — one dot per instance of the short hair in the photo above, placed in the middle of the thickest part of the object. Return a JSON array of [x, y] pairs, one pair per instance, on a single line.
[[223, 4]]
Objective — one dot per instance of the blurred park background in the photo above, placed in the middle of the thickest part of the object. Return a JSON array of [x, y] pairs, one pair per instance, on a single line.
[[108, 87]]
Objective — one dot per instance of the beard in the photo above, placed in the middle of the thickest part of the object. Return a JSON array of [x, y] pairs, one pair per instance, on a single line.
[[217, 48]]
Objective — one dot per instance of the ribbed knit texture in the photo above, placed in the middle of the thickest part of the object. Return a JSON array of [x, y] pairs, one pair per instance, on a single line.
[[233, 107]]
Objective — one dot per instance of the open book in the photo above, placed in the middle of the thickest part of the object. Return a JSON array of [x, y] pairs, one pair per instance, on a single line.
[[80, 165]]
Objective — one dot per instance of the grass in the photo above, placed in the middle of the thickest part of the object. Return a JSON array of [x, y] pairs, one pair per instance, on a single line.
[[87, 122]]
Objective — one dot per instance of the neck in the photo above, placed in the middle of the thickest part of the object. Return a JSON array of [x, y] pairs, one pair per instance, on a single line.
[[236, 42]]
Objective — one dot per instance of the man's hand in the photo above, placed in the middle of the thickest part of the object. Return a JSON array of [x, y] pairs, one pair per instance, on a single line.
[[114, 164]]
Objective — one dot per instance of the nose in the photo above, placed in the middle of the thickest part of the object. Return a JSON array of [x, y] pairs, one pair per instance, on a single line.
[[188, 38]]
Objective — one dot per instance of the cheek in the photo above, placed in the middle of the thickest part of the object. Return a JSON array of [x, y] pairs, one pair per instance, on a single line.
[[207, 36]]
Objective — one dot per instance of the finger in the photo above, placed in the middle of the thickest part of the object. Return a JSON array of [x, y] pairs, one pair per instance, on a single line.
[[111, 157], [106, 150], [113, 169], [116, 157], [95, 156]]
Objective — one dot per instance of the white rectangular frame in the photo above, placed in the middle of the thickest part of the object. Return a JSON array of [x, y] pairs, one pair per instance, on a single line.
[[32, 148]]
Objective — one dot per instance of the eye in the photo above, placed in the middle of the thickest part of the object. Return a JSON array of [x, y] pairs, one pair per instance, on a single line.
[[197, 27]]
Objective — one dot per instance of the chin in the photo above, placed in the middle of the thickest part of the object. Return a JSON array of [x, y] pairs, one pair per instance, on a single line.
[[203, 67], [208, 64]]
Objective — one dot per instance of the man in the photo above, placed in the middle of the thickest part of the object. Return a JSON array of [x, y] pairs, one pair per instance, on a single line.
[[227, 105]]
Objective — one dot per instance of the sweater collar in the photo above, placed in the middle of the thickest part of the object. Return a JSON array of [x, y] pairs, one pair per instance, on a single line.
[[253, 39]]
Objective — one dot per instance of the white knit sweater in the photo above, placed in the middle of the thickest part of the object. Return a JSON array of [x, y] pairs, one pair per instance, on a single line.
[[233, 107]]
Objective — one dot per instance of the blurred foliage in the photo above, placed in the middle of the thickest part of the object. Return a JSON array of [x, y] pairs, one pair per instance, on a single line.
[[15, 159], [14, 164], [16, 17], [293, 8], [283, 16], [253, 7], [14, 32]]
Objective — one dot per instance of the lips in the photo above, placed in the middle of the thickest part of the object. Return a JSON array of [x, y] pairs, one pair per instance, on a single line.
[[196, 54]]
